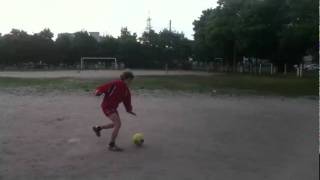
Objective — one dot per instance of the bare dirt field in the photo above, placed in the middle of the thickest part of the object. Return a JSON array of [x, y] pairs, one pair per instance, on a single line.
[[90, 73], [187, 136]]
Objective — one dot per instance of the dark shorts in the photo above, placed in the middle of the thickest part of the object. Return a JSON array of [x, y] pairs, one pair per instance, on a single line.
[[108, 111]]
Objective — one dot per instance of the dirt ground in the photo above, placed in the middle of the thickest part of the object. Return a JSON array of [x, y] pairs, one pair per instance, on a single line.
[[90, 73], [187, 136]]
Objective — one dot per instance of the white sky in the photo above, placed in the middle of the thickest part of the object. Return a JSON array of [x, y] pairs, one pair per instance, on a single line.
[[104, 16]]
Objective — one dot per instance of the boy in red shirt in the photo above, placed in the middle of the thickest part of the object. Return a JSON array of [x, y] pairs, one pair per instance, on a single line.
[[115, 92]]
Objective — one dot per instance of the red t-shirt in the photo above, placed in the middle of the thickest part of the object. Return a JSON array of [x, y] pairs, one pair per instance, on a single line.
[[115, 92]]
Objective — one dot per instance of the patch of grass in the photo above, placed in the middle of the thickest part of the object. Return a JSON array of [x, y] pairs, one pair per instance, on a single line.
[[273, 85], [261, 85], [43, 84]]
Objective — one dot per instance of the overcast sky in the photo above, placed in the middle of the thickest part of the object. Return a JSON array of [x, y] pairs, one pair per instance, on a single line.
[[104, 16]]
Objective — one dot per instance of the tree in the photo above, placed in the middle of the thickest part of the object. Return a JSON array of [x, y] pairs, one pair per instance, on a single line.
[[279, 30], [63, 47], [125, 35], [151, 51], [46, 34], [129, 48], [16, 47], [175, 48], [203, 48], [150, 38], [299, 35], [108, 46], [83, 45]]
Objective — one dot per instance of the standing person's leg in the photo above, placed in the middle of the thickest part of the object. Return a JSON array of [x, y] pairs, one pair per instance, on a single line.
[[117, 125]]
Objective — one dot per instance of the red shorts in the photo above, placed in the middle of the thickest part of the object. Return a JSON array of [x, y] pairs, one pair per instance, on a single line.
[[109, 112]]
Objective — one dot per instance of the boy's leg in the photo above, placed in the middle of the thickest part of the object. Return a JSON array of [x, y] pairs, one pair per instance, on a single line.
[[117, 125], [108, 113], [97, 129], [108, 126]]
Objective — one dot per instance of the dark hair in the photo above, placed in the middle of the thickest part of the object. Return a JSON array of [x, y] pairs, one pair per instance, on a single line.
[[126, 75]]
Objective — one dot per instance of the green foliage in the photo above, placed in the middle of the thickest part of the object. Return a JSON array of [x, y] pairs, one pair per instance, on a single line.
[[18, 47], [280, 30], [152, 50]]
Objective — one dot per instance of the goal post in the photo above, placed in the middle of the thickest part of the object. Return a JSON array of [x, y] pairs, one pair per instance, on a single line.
[[83, 59]]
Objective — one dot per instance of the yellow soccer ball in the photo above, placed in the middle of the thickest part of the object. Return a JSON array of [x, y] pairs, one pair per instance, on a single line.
[[138, 139]]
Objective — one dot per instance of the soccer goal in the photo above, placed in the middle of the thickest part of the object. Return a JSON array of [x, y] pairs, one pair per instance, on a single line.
[[98, 63]]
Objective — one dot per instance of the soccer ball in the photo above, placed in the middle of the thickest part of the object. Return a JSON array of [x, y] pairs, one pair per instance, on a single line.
[[138, 139]]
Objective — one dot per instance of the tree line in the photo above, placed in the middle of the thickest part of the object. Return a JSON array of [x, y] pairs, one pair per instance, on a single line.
[[282, 31], [151, 50]]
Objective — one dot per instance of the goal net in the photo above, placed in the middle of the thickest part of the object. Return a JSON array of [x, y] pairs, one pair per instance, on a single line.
[[96, 63]]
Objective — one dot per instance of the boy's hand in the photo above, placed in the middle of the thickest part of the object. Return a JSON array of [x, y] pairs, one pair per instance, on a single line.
[[132, 113]]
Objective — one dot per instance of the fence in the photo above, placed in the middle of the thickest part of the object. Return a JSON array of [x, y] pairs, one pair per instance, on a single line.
[[259, 69]]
